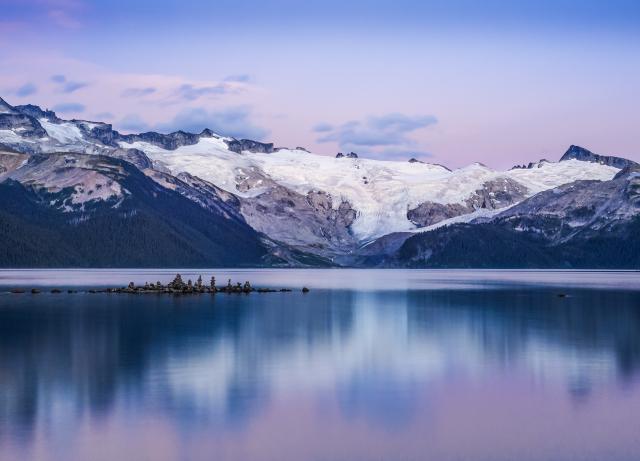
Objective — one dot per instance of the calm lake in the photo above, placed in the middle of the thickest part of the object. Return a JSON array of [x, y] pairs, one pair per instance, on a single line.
[[369, 365]]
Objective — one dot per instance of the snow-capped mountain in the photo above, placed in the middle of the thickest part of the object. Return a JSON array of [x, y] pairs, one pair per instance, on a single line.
[[309, 203]]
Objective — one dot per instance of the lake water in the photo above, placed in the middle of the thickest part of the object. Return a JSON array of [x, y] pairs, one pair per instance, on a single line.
[[370, 365]]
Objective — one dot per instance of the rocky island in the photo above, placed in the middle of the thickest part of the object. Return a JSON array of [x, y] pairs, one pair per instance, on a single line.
[[177, 287]]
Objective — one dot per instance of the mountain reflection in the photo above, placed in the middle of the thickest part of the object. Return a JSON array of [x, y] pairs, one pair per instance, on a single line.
[[220, 360]]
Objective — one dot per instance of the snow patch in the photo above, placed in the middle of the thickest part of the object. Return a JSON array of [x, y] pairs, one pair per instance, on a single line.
[[9, 136], [91, 125], [64, 132]]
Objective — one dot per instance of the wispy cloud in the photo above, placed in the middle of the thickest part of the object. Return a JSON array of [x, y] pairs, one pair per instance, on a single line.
[[232, 121], [133, 123], [26, 90], [103, 116], [69, 107], [402, 154], [191, 92], [322, 127], [138, 92], [377, 135], [239, 78], [67, 86], [71, 87], [401, 123]]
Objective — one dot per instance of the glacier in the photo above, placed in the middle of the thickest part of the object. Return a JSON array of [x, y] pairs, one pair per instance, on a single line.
[[380, 191]]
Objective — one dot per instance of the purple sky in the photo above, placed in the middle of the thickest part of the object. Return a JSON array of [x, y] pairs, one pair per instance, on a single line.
[[450, 81]]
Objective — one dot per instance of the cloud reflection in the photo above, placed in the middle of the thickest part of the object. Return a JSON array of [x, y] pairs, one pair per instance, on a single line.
[[223, 363]]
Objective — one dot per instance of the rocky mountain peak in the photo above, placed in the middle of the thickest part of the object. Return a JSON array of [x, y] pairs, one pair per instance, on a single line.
[[349, 155], [584, 155], [249, 145], [5, 107], [37, 112]]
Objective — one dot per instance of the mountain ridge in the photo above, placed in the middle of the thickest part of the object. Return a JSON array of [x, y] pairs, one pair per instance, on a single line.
[[302, 208]]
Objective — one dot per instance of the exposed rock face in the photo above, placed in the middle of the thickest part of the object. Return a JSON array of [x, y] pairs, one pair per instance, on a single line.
[[135, 156], [531, 165], [105, 133], [580, 208], [319, 226], [309, 223], [349, 155], [428, 213], [37, 112], [21, 122], [169, 141], [202, 192], [6, 108], [28, 127], [243, 145], [10, 161], [498, 193], [580, 153], [494, 195], [72, 180]]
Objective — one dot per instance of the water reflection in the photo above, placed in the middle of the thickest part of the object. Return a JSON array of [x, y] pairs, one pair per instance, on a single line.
[[371, 362]]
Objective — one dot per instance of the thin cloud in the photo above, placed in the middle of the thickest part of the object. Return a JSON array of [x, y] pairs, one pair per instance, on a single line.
[[322, 127], [190, 92], [402, 154], [67, 86], [232, 121], [103, 116], [26, 90], [385, 136], [71, 87], [239, 78], [133, 123], [138, 92], [69, 107], [401, 123]]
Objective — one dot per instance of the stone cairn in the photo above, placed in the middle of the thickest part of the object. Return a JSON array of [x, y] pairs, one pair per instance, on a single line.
[[178, 286]]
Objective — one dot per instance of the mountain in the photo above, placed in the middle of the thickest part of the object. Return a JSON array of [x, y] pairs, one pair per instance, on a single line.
[[288, 206], [585, 224], [580, 153], [83, 211]]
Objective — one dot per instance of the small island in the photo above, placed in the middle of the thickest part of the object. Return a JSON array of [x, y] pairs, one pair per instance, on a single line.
[[177, 287]]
